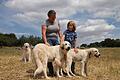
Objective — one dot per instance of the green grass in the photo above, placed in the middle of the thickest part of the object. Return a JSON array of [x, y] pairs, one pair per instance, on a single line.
[[107, 67]]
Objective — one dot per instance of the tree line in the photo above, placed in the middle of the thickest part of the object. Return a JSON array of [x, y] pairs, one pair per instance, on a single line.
[[108, 42], [12, 40]]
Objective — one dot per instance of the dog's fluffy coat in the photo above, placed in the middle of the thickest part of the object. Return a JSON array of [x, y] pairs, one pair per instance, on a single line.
[[82, 56], [43, 54], [26, 50]]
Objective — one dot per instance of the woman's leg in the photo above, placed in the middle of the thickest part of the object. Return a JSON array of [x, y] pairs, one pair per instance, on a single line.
[[73, 67], [50, 68], [49, 64]]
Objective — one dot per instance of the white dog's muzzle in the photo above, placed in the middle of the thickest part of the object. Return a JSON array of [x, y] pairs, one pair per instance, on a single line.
[[97, 55]]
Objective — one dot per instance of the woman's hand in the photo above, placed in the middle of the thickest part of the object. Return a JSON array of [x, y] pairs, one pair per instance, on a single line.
[[47, 43], [75, 50]]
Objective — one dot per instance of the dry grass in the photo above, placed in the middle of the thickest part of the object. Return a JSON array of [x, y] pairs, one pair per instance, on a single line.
[[105, 68]]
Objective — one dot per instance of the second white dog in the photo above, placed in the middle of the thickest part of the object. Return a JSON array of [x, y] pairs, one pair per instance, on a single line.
[[82, 56]]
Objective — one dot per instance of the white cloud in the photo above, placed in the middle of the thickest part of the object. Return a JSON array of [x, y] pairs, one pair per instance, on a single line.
[[21, 34], [94, 30], [98, 25], [34, 12], [66, 8]]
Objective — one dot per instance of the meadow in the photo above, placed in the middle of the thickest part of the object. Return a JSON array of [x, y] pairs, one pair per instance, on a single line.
[[107, 67]]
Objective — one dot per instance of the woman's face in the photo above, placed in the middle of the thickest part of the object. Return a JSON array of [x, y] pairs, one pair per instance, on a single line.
[[52, 17]]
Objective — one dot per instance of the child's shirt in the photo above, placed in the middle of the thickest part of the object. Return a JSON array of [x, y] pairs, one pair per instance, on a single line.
[[70, 36]]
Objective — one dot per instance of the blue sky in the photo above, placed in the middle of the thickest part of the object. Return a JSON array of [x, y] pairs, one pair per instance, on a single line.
[[95, 19]]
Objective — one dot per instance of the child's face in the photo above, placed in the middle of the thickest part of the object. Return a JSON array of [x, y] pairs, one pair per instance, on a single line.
[[70, 27]]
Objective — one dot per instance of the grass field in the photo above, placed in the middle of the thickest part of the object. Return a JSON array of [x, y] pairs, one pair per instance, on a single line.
[[107, 67]]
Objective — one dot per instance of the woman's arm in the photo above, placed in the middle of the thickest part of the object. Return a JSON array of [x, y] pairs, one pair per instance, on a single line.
[[61, 36], [44, 35]]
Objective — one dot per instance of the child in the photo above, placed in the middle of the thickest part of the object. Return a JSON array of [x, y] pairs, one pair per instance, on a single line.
[[70, 35]]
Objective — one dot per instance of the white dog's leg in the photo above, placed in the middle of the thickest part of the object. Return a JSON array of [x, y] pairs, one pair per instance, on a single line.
[[25, 60], [39, 67], [57, 67], [37, 71], [72, 73], [29, 59], [61, 71], [68, 68], [58, 72], [45, 68], [83, 68]]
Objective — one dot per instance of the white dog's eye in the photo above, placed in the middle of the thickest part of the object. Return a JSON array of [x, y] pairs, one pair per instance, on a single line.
[[65, 43], [95, 51]]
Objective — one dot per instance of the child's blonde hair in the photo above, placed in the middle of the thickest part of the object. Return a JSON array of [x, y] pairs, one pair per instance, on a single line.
[[73, 24]]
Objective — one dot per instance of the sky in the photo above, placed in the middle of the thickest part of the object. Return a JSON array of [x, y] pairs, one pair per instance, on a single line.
[[95, 19]]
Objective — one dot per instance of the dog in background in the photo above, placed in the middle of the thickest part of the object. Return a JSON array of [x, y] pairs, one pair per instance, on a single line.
[[26, 50], [82, 55]]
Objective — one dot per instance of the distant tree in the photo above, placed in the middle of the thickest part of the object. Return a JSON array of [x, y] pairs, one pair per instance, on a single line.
[[31, 39], [96, 44], [8, 39], [11, 40], [108, 42], [83, 45], [117, 43], [34, 40]]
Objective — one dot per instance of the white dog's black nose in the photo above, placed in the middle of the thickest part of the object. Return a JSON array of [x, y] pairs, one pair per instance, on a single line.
[[26, 46], [97, 55], [68, 49]]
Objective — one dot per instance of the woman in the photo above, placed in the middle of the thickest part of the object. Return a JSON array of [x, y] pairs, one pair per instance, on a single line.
[[51, 33]]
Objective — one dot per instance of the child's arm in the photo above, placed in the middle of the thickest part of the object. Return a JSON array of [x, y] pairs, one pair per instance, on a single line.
[[75, 49]]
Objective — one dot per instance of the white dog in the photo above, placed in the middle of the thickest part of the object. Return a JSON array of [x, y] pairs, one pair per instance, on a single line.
[[82, 56], [26, 49], [43, 53]]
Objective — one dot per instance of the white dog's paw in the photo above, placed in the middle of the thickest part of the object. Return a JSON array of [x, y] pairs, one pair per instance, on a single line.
[[69, 76], [59, 76], [48, 78], [84, 75], [73, 75]]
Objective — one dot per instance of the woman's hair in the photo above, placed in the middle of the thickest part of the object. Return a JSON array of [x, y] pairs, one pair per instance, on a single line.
[[51, 12], [73, 24]]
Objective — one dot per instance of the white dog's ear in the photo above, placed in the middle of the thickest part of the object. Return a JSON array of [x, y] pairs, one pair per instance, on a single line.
[[31, 46], [89, 55]]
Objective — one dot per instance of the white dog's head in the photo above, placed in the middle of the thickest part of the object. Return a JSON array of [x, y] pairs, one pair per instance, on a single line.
[[66, 46], [95, 52], [26, 45]]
